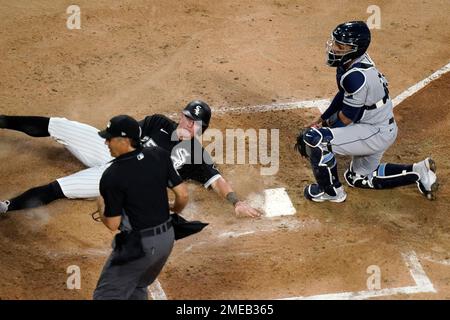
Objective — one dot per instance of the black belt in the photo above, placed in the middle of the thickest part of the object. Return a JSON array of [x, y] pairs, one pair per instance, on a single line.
[[374, 106], [150, 232]]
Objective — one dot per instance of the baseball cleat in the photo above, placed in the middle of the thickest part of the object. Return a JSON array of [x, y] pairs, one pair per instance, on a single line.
[[315, 193], [428, 184], [4, 206]]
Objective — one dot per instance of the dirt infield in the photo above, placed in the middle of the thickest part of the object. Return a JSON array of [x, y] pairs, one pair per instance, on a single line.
[[144, 57]]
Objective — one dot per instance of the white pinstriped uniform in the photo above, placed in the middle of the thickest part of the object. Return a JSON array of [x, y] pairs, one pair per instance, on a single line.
[[87, 146]]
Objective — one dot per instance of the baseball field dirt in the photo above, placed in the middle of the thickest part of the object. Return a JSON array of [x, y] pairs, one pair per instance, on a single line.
[[141, 57]]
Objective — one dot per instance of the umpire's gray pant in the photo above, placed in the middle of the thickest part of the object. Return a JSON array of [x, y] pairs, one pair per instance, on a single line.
[[130, 281]]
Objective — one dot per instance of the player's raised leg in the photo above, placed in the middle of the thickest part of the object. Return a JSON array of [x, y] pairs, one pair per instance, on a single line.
[[80, 139], [32, 126]]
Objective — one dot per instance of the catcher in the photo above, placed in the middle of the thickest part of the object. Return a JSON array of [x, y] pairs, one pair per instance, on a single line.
[[360, 123]]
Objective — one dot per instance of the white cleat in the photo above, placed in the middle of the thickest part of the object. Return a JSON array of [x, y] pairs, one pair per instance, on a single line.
[[315, 193], [428, 184], [4, 206]]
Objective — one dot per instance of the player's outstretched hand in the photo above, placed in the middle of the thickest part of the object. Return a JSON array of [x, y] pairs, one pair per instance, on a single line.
[[242, 209]]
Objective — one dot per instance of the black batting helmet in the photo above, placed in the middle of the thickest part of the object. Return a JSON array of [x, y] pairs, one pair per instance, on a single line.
[[355, 34], [198, 110]]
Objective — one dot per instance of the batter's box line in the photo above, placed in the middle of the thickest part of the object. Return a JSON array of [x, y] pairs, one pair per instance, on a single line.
[[156, 291], [423, 285], [321, 104], [445, 262]]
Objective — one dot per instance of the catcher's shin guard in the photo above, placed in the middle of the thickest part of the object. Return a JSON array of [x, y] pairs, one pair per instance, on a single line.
[[327, 177], [387, 175], [323, 163]]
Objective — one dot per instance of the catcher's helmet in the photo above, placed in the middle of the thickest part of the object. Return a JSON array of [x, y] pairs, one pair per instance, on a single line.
[[355, 34], [198, 110]]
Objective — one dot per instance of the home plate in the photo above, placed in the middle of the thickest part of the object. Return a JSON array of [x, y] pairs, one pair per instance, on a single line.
[[273, 202]]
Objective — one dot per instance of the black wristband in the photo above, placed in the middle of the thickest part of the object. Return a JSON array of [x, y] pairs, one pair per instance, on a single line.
[[232, 198]]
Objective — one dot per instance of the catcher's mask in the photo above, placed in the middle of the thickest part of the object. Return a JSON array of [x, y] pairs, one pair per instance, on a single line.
[[347, 42]]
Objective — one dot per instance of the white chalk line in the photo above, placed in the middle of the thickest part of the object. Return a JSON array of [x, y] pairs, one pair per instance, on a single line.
[[283, 225], [190, 247], [156, 291], [415, 269], [232, 234], [423, 285], [445, 262], [322, 104], [413, 89]]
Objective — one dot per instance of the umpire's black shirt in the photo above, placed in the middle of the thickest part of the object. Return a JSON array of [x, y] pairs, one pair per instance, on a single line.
[[136, 182]]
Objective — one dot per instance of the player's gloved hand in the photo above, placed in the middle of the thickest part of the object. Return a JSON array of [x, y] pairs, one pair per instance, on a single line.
[[242, 209]]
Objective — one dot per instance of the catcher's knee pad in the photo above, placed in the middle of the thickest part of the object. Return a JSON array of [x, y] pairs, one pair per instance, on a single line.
[[387, 175], [317, 146]]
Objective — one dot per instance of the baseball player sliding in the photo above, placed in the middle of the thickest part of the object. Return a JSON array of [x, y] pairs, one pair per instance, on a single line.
[[83, 141], [359, 122]]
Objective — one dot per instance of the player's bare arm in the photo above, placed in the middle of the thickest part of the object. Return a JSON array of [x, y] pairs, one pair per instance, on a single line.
[[241, 209]]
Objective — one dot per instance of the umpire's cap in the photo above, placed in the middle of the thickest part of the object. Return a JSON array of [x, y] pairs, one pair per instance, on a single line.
[[198, 110], [122, 126]]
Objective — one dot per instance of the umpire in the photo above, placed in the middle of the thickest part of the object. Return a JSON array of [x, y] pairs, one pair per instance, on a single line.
[[136, 203]]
